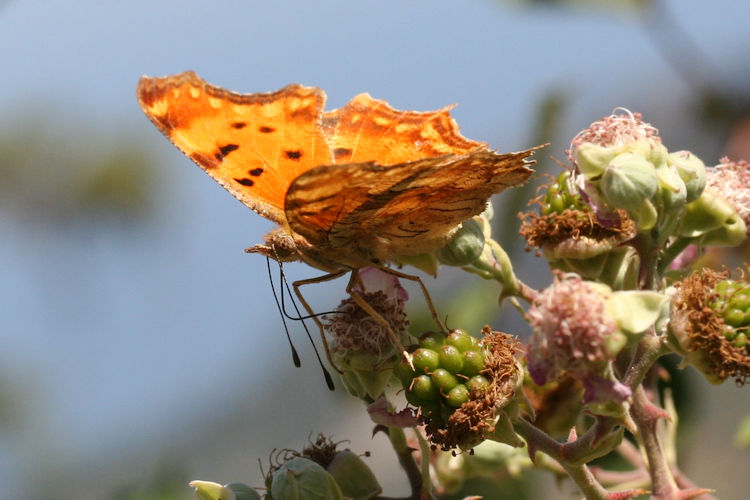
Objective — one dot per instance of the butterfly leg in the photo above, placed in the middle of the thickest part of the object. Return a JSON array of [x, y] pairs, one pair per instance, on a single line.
[[426, 294], [361, 302], [298, 292]]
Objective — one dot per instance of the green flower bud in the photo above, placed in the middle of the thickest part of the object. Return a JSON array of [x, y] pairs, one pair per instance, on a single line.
[[208, 490], [672, 192], [620, 271], [691, 170], [353, 476], [630, 182], [464, 247], [303, 479], [243, 492], [592, 159], [713, 220], [366, 381]]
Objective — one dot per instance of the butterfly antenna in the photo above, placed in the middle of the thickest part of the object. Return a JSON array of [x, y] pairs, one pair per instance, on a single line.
[[295, 356], [299, 317], [282, 277]]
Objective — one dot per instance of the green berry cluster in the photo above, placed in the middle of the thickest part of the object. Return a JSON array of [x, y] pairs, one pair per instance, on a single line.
[[733, 304], [559, 197], [446, 371]]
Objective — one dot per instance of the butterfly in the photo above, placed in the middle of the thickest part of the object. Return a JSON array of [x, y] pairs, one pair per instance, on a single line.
[[358, 186]]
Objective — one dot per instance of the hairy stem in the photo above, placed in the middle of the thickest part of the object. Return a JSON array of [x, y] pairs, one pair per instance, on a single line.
[[646, 416], [536, 439]]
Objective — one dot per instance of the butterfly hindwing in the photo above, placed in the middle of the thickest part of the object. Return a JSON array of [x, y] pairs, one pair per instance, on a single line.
[[401, 209]]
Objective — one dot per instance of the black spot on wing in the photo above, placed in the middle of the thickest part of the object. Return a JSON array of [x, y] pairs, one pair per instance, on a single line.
[[225, 150], [293, 154], [340, 153], [239, 125], [245, 181], [414, 232], [255, 172], [266, 130]]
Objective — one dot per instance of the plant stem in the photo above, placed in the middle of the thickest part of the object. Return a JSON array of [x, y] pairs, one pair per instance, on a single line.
[[646, 417], [536, 439], [405, 458]]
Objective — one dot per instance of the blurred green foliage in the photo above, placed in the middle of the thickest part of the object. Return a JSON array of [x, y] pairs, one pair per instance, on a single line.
[[64, 169]]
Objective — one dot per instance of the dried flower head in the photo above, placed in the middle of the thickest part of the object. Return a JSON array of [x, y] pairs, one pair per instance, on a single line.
[[354, 330], [363, 350], [703, 308], [731, 179], [575, 233], [479, 417]]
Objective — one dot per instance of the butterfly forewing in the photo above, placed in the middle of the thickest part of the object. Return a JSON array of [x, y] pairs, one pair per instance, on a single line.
[[368, 129], [252, 144]]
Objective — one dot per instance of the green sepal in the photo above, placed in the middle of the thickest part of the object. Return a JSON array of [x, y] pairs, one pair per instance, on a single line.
[[426, 262], [302, 479], [353, 476], [634, 311]]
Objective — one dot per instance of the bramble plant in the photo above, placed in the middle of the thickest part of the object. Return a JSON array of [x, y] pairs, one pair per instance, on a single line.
[[620, 227]]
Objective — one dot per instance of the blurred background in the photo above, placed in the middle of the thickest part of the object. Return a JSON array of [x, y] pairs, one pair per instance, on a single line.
[[141, 348]]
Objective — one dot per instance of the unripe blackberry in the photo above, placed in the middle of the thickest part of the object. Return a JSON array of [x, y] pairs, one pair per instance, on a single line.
[[559, 198], [709, 324], [733, 305], [446, 371]]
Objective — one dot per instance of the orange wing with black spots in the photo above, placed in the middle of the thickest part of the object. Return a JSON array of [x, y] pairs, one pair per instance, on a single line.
[[364, 182], [252, 144]]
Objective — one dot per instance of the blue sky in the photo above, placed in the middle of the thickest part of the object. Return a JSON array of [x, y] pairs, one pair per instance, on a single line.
[[119, 332]]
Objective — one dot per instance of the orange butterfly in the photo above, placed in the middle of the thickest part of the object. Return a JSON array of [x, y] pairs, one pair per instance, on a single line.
[[354, 187]]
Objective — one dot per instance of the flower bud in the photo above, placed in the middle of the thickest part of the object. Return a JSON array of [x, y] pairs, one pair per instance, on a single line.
[[592, 159], [672, 195], [464, 247], [353, 476], [630, 182], [691, 170], [302, 479], [713, 221], [208, 490]]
